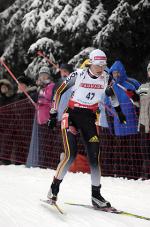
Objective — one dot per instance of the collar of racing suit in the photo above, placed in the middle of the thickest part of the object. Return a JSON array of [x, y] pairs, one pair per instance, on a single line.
[[92, 75]]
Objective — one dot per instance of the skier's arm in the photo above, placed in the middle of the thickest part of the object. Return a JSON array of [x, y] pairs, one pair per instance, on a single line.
[[69, 82], [115, 103]]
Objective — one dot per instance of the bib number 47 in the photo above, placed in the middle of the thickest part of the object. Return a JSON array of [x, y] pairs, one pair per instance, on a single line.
[[90, 95]]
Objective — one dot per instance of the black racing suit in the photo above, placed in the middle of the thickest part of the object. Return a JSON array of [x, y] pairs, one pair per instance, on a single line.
[[80, 117]]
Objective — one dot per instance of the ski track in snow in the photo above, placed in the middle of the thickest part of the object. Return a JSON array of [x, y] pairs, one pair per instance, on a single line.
[[22, 188]]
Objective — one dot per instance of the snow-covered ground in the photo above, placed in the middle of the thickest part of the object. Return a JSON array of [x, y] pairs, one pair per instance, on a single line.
[[21, 190]]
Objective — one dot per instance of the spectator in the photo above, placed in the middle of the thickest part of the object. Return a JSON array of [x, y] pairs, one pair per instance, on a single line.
[[144, 124], [7, 92], [45, 87], [65, 70], [106, 137], [62, 73], [122, 85], [28, 85], [125, 89], [102, 118]]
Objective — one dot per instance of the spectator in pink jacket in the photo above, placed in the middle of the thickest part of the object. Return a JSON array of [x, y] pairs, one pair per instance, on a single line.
[[36, 156], [46, 86]]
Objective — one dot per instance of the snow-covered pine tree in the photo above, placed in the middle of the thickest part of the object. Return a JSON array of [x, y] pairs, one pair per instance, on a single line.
[[49, 48], [125, 36], [97, 19], [121, 28]]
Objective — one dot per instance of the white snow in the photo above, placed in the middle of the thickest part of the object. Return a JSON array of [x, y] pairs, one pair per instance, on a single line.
[[97, 18], [79, 16], [22, 188]]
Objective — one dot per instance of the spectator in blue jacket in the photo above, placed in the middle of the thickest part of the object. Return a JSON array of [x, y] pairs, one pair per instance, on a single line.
[[125, 89], [126, 140]]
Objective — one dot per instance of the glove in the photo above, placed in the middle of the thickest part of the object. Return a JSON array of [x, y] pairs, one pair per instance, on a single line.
[[121, 116], [132, 94], [52, 122], [109, 91]]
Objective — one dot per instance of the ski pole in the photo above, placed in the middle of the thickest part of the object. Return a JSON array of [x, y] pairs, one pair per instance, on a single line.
[[108, 108], [44, 56], [125, 90], [21, 87]]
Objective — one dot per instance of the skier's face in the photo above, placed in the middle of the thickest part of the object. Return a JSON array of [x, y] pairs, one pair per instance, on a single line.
[[97, 69]]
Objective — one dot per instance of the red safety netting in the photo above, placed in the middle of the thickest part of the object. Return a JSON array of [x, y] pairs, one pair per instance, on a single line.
[[15, 131], [22, 140]]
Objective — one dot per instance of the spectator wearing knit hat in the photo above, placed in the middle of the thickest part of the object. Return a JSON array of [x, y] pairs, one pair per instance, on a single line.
[[46, 86], [7, 92], [44, 77], [37, 148]]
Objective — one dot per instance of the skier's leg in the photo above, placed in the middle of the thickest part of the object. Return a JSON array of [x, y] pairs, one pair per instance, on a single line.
[[93, 154], [92, 143], [91, 140], [70, 147]]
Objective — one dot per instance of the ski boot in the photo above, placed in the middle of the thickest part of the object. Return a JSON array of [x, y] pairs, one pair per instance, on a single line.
[[97, 200], [53, 191]]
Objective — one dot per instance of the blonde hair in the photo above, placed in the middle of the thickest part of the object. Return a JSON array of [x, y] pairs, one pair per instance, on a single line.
[[85, 64]]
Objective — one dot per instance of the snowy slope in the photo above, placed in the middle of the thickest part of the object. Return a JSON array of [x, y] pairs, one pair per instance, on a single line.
[[22, 188]]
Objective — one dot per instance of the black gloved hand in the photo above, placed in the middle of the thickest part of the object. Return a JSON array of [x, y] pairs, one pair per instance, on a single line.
[[109, 91], [121, 116], [52, 122]]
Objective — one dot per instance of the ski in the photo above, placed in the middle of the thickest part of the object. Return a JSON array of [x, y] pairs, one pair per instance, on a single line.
[[110, 210], [54, 205]]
